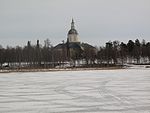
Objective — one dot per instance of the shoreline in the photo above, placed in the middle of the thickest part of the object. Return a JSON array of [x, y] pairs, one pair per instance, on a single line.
[[59, 69]]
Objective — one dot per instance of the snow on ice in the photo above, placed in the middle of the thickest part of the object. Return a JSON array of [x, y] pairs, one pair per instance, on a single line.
[[96, 91]]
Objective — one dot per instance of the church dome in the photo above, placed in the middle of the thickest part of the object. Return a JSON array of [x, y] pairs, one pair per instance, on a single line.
[[72, 31]]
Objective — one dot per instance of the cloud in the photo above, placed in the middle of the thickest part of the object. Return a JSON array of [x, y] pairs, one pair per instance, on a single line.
[[102, 20]]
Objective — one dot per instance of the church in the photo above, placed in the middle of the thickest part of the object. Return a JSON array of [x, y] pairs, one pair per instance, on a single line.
[[72, 49]]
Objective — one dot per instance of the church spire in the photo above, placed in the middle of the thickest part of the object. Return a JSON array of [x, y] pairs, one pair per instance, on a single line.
[[72, 33], [72, 24]]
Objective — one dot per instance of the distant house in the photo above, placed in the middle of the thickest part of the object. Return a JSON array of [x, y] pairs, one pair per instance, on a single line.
[[72, 48]]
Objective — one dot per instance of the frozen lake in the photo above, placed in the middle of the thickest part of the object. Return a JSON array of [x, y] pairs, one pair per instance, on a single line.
[[103, 91]]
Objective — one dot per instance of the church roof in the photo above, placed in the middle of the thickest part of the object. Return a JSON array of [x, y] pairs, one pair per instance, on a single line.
[[70, 45], [75, 45], [73, 31], [60, 46], [87, 46]]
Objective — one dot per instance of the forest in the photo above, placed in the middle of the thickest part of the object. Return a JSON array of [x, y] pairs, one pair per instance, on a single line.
[[44, 56]]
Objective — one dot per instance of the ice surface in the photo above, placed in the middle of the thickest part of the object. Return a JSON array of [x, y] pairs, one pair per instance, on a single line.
[[103, 91]]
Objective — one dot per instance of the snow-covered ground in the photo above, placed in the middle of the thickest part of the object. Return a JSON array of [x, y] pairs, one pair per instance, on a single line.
[[102, 91]]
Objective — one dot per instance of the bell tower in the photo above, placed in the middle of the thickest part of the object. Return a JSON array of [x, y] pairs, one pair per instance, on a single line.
[[73, 34]]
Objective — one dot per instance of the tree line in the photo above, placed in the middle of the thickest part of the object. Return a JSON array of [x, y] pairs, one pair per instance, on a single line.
[[121, 53], [44, 56]]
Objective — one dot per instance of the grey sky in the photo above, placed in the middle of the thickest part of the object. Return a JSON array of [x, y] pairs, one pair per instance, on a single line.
[[97, 21]]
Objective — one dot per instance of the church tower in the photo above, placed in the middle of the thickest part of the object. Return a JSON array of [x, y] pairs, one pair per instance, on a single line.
[[73, 34]]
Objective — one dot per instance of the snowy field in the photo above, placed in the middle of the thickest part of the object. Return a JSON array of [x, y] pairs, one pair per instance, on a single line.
[[103, 91]]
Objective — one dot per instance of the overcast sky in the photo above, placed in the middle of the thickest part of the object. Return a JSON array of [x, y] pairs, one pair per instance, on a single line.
[[96, 21]]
